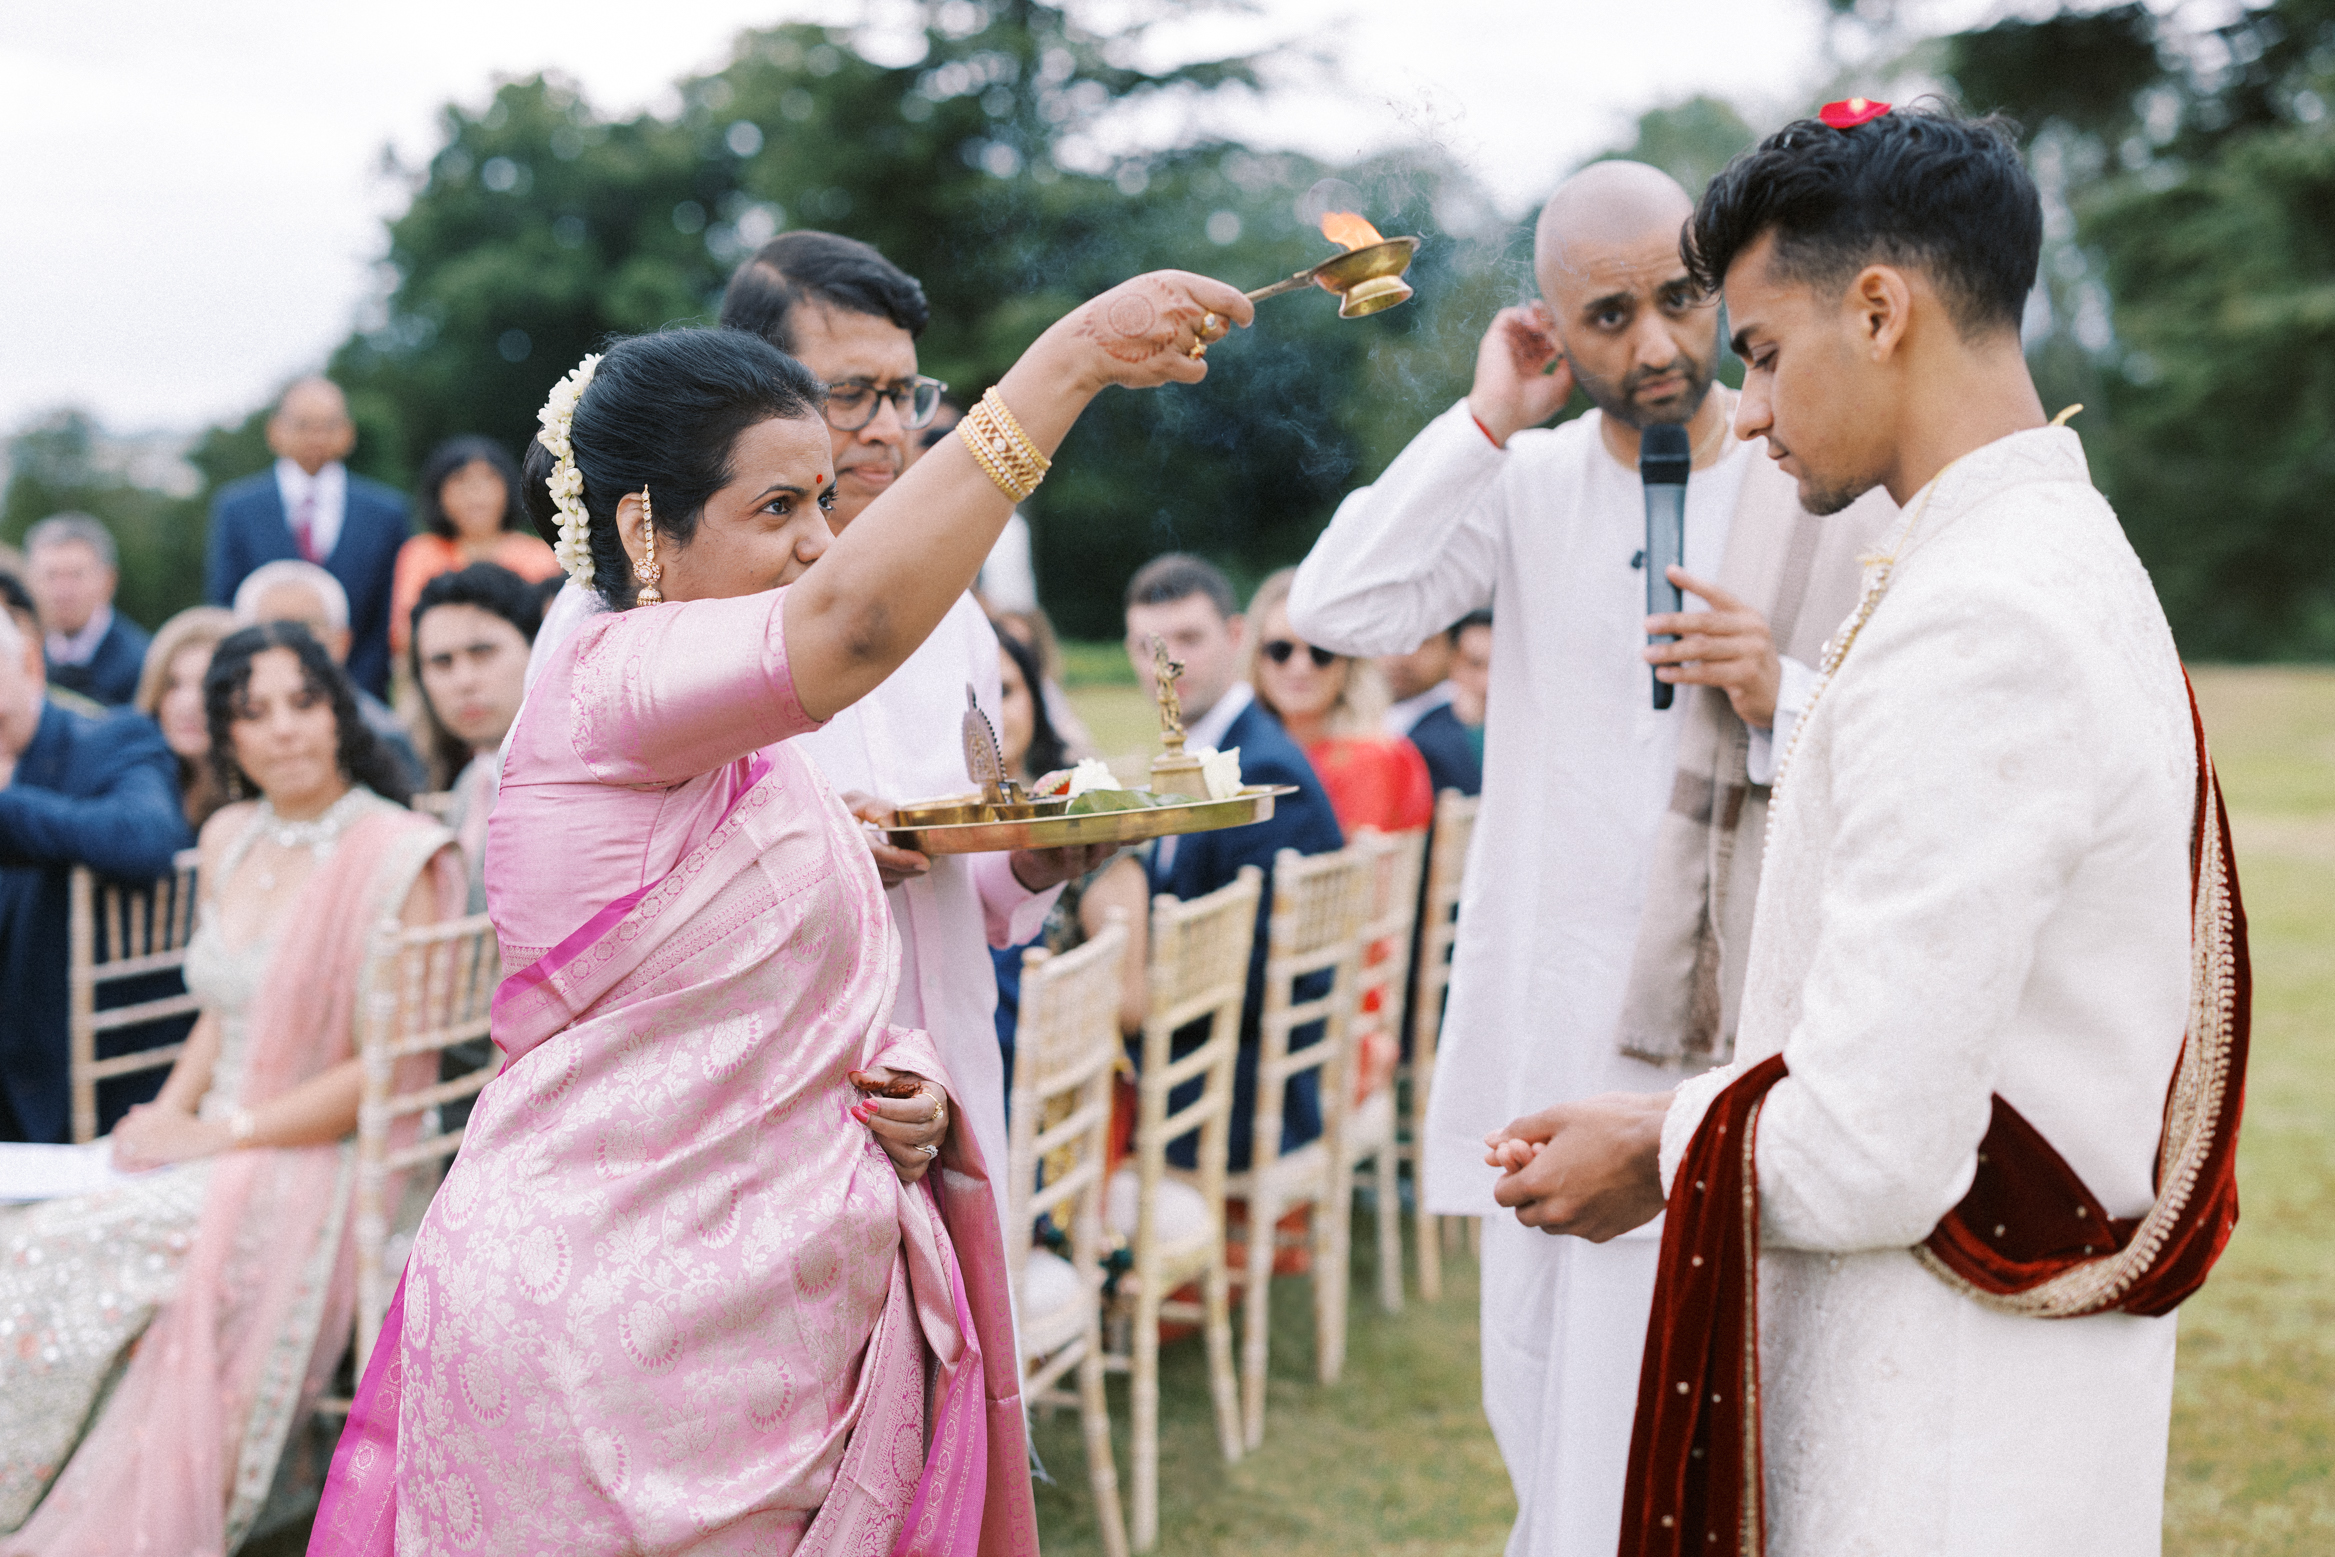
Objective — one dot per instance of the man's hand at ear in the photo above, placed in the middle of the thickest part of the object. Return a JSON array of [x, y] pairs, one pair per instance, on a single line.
[[1591, 1169]]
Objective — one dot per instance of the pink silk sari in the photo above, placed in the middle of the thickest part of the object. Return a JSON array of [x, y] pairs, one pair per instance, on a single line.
[[672, 1297], [157, 1472]]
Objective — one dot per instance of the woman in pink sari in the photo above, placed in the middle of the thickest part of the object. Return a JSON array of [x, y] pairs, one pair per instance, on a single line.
[[689, 1287]]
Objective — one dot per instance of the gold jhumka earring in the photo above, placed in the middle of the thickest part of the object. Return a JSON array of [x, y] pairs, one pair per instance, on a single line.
[[648, 570]]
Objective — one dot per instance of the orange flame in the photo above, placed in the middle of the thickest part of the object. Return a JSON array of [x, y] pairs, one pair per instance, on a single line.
[[1348, 230]]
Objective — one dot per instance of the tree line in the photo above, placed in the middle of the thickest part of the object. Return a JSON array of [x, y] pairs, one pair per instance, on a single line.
[[2192, 177]]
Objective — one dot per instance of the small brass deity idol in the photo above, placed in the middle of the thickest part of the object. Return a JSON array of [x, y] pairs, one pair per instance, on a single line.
[[1174, 771]]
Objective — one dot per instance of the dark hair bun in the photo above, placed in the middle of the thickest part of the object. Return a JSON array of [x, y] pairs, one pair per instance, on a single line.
[[664, 412]]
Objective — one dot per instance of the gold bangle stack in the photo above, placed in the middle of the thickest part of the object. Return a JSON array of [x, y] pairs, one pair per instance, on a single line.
[[1000, 447]]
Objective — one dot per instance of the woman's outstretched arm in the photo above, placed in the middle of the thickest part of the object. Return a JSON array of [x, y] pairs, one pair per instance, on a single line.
[[886, 582]]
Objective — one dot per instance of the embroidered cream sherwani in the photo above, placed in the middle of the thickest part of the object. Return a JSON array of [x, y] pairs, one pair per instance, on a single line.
[[1976, 882]]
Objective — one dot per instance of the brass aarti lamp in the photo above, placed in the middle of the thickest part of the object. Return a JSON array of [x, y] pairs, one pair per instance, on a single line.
[[1366, 279]]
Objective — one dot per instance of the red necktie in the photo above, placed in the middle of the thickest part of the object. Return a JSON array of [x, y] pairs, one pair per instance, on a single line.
[[304, 527]]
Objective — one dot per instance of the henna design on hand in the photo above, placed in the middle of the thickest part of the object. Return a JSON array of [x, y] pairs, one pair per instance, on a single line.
[[1134, 329]]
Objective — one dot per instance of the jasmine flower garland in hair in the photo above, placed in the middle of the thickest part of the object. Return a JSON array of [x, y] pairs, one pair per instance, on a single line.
[[565, 482]]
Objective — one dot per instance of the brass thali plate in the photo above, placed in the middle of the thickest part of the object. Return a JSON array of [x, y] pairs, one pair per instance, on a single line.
[[1254, 803]]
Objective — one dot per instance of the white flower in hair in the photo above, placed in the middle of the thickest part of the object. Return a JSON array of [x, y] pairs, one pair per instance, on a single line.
[[566, 483]]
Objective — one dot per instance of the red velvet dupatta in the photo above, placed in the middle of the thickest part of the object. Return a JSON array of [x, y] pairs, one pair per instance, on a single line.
[[2029, 1238]]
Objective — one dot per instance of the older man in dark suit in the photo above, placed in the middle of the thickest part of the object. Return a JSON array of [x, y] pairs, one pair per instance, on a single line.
[[309, 507], [72, 569], [1190, 604], [73, 791]]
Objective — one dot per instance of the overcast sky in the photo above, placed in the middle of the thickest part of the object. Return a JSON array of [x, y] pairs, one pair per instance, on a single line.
[[193, 197]]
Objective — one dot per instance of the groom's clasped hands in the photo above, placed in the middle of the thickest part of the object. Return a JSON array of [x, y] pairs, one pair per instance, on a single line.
[[1591, 1169]]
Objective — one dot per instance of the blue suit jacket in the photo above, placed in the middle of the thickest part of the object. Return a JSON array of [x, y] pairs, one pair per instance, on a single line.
[[249, 527], [1205, 861], [111, 675], [1452, 762], [95, 792]]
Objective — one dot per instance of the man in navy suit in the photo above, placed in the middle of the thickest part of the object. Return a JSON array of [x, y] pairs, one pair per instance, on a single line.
[[1190, 604], [1421, 684], [71, 567], [310, 508], [73, 791]]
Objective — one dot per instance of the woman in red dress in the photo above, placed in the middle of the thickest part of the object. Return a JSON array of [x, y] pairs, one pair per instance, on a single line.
[[1333, 707]]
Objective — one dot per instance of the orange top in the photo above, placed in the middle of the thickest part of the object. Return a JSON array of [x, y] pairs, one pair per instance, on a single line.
[[1374, 781], [423, 557]]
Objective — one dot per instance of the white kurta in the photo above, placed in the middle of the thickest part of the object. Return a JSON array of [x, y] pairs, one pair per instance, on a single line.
[[903, 742], [1976, 882], [1578, 768]]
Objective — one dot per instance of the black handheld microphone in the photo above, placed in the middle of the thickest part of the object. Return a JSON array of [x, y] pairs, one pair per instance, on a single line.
[[1663, 462]]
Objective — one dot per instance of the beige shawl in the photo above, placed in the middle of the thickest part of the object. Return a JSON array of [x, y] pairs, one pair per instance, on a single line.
[[1686, 974]]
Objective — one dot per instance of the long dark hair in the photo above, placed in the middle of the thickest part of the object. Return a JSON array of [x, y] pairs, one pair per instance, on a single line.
[[1047, 751], [664, 412], [453, 455], [493, 589], [363, 759]]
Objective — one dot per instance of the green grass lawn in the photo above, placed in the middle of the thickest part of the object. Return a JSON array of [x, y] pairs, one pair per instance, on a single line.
[[2254, 1405], [1395, 1459]]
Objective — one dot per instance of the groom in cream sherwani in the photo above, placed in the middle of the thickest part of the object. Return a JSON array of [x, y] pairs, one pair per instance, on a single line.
[[1977, 896]]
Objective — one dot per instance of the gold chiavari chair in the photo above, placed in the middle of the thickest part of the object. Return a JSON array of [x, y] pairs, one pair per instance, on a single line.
[[1373, 1128], [1455, 826], [1318, 906], [1066, 1050], [428, 990], [116, 933], [1174, 1221]]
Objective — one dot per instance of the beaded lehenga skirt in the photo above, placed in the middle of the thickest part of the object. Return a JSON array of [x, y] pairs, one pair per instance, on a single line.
[[81, 1278]]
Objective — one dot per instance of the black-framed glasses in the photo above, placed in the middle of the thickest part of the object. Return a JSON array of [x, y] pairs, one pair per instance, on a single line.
[[852, 402], [1279, 650]]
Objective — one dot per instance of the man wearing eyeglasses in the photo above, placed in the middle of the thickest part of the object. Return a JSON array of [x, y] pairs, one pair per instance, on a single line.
[[852, 317]]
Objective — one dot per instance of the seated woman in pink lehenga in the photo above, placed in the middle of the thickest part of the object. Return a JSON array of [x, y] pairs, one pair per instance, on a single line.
[[689, 1286], [216, 1285]]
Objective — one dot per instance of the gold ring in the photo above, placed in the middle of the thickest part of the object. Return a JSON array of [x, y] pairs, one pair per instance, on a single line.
[[1208, 321]]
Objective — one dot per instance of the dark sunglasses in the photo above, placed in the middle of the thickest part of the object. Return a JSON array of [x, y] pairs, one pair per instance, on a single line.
[[1279, 650]]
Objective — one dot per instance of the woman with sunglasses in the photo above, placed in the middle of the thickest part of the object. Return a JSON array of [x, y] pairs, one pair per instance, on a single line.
[[1334, 707]]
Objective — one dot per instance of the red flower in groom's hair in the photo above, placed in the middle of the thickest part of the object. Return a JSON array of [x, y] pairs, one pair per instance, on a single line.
[[1850, 112]]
